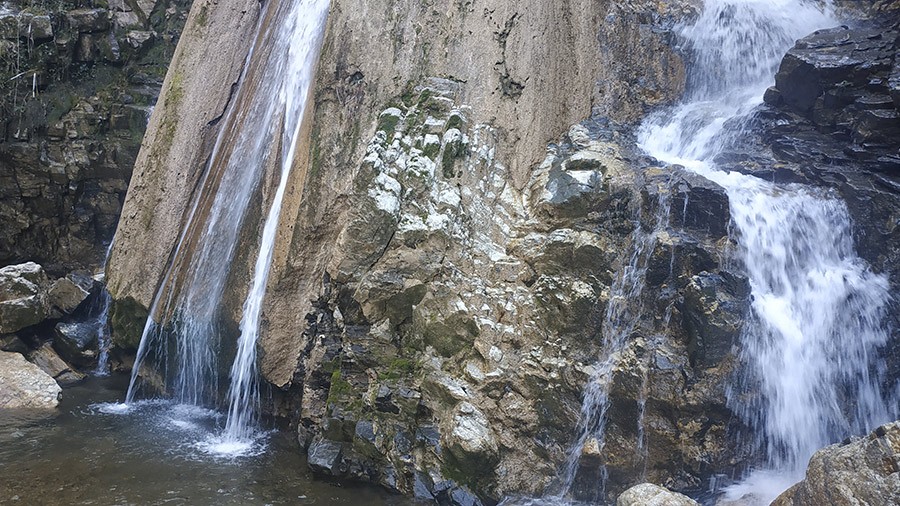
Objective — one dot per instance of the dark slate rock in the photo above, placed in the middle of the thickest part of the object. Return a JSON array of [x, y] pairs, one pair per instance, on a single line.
[[324, 456], [76, 343]]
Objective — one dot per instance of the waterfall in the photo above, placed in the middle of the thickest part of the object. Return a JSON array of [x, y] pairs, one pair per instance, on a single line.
[[104, 341], [301, 35], [260, 131], [810, 349]]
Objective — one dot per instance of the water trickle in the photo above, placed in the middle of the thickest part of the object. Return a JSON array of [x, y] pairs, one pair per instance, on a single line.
[[810, 349], [302, 35], [181, 339], [104, 341], [101, 321], [623, 314]]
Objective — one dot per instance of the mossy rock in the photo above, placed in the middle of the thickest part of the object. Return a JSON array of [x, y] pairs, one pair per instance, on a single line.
[[127, 318]]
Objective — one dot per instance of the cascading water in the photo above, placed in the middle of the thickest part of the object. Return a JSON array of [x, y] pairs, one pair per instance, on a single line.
[[260, 131], [104, 342], [810, 347]]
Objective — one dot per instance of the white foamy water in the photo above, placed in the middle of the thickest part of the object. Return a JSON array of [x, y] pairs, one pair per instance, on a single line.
[[810, 348]]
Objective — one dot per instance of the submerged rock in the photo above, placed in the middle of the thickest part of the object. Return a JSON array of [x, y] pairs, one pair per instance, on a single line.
[[25, 385], [648, 494], [858, 471]]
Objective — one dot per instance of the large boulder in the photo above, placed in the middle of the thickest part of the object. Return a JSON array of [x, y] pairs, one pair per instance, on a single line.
[[76, 342], [66, 294], [856, 472], [843, 80], [25, 385]]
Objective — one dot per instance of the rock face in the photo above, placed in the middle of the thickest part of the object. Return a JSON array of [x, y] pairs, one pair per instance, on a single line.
[[76, 88], [846, 82], [858, 471], [647, 494], [24, 385]]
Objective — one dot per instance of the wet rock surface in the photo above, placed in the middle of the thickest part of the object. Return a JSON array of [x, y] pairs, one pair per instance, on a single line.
[[862, 470], [456, 332]]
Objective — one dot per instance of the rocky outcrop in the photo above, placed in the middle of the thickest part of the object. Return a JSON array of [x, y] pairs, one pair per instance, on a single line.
[[76, 88], [858, 471], [449, 250], [24, 385], [647, 494], [847, 83]]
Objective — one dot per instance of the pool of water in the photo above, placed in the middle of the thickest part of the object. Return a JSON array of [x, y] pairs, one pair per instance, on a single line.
[[155, 453]]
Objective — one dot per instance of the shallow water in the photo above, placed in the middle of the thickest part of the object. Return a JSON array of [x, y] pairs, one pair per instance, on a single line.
[[153, 454]]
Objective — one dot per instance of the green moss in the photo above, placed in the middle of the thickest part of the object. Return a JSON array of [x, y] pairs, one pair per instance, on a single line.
[[127, 318], [409, 95], [387, 123], [431, 150], [400, 368], [202, 17], [339, 389], [454, 121]]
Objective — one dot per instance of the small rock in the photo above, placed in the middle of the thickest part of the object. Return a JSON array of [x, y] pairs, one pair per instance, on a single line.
[[49, 362], [648, 494], [89, 20], [139, 39]]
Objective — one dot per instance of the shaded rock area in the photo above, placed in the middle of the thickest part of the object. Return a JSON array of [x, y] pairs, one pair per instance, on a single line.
[[24, 385], [862, 470], [54, 323], [647, 494], [77, 84]]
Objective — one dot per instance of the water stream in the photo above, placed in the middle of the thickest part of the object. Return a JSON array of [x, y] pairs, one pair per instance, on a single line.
[[181, 342], [810, 347]]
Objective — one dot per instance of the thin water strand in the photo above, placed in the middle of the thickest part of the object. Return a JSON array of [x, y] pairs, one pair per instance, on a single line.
[[187, 306], [302, 36]]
